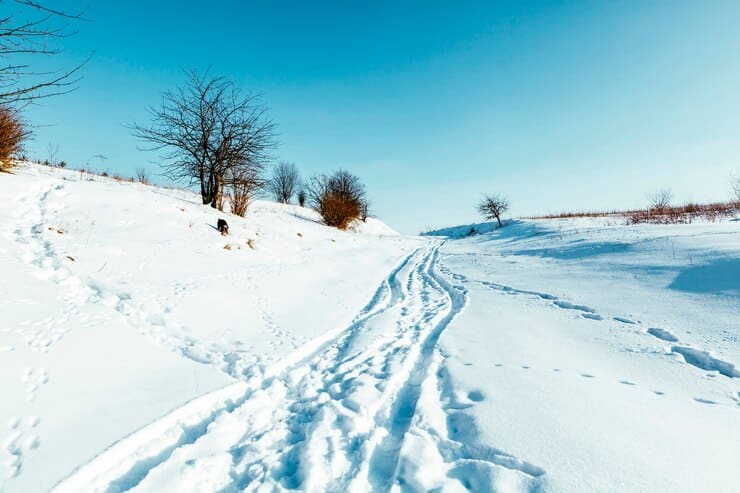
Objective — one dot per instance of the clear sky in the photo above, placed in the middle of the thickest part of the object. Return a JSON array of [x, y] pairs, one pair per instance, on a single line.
[[559, 105]]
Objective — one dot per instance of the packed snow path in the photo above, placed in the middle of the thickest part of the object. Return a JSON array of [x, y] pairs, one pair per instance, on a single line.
[[334, 419]]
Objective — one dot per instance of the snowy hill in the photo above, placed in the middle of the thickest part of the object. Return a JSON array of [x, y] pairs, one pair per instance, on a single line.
[[107, 284], [142, 351]]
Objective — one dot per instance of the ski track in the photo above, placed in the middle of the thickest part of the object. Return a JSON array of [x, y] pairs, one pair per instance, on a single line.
[[332, 416]]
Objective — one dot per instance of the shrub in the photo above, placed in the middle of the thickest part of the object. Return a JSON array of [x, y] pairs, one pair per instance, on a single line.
[[302, 196], [241, 185], [338, 198], [239, 200], [12, 134], [339, 212]]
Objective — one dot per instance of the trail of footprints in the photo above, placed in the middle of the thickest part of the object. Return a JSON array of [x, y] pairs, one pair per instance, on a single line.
[[694, 357], [23, 436], [23, 439], [34, 378], [734, 396]]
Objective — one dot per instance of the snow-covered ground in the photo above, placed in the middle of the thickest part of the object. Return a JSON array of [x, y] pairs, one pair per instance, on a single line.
[[113, 295], [141, 351], [602, 357]]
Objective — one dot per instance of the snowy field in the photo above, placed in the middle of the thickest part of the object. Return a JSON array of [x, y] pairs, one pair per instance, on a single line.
[[142, 351]]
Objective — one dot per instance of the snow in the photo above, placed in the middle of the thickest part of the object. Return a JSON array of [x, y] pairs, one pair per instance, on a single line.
[[604, 353], [139, 354], [115, 294]]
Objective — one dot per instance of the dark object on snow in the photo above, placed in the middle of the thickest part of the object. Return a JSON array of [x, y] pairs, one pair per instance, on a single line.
[[222, 227]]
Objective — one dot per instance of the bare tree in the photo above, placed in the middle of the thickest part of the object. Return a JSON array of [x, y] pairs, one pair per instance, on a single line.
[[492, 207], [209, 129], [660, 200], [284, 182], [301, 195], [338, 198], [735, 183], [33, 31]]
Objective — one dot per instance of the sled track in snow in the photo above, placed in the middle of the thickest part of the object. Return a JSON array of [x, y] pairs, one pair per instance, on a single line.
[[331, 417]]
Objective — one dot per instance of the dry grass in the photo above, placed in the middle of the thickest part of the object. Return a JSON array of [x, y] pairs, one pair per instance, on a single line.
[[684, 213], [666, 215]]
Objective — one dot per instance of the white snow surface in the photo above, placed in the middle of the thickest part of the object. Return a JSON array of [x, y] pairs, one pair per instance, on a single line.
[[138, 354]]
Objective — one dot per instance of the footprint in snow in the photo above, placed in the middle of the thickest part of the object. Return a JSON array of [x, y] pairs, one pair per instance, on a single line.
[[22, 440], [34, 378], [704, 401], [476, 395]]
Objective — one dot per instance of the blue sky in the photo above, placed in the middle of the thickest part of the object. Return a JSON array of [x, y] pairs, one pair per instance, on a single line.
[[558, 105]]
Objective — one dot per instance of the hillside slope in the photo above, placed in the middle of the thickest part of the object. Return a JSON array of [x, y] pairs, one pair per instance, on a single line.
[[106, 285]]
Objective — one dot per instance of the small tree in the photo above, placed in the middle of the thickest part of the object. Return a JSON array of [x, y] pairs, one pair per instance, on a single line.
[[338, 198], [12, 134], [301, 195], [492, 207], [284, 182], [660, 200], [736, 188], [365, 209]]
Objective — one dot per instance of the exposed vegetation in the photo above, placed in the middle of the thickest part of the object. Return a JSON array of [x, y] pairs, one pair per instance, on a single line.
[[13, 132], [338, 198], [667, 215]]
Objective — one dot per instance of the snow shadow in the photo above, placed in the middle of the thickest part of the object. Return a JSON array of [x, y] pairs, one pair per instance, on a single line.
[[575, 251], [720, 276], [481, 232]]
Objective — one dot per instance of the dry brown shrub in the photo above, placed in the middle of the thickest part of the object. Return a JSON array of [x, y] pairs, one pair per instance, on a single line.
[[338, 198], [12, 134], [239, 200], [339, 212]]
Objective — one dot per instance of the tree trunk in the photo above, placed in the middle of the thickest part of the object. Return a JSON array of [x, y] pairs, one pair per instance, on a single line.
[[218, 190]]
